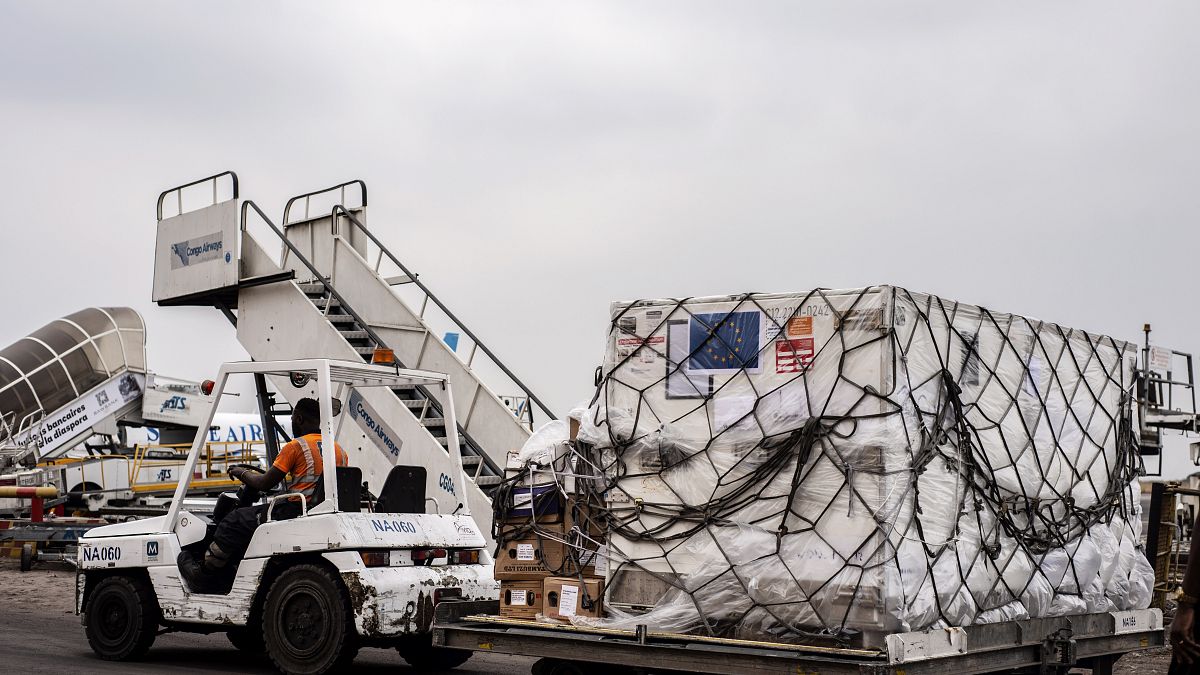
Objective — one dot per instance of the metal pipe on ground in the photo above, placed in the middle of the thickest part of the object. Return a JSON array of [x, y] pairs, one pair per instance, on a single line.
[[37, 495]]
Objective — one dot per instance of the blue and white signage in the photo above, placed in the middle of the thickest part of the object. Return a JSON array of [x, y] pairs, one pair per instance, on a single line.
[[198, 250], [68, 424], [373, 426]]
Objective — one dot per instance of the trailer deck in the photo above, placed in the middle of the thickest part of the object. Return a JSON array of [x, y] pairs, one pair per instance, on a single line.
[[1046, 645]]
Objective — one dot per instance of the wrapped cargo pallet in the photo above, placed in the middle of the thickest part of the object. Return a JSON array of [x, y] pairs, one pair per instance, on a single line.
[[860, 462]]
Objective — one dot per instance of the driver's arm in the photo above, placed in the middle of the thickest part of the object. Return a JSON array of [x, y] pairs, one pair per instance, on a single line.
[[259, 481]]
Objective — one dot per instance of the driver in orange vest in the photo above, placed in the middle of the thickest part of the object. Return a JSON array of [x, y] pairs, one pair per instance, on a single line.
[[301, 459]]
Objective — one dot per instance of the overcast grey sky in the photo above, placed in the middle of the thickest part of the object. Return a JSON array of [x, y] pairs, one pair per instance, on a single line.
[[535, 161]]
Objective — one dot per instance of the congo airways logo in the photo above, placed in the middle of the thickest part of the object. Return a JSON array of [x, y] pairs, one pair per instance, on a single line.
[[198, 250]]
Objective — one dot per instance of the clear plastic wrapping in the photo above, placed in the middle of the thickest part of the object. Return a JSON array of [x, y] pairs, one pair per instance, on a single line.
[[872, 460]]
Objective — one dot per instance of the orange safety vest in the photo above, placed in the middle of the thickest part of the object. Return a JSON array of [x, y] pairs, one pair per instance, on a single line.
[[305, 482]]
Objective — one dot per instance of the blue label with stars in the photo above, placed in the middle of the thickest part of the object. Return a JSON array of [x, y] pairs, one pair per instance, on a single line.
[[724, 342]]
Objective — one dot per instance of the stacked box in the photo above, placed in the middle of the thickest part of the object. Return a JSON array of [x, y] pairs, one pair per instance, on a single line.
[[862, 461], [528, 551], [547, 525], [521, 599], [565, 598]]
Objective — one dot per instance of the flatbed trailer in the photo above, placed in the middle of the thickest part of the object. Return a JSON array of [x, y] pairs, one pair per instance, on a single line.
[[50, 540], [1045, 645]]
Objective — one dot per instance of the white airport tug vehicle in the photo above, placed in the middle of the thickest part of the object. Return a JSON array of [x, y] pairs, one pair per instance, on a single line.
[[350, 571]]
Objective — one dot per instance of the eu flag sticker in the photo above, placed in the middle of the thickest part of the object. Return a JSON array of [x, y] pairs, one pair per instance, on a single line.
[[724, 342]]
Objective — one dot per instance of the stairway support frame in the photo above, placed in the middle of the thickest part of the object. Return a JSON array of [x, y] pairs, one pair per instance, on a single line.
[[332, 292]]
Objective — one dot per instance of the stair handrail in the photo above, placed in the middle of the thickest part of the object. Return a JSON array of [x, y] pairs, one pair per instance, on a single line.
[[309, 195], [249, 203], [474, 338], [178, 189]]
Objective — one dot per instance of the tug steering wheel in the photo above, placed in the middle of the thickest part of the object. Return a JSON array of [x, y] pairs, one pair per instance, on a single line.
[[247, 495]]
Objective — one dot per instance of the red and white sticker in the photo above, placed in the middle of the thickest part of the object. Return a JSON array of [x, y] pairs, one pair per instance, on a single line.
[[793, 356]]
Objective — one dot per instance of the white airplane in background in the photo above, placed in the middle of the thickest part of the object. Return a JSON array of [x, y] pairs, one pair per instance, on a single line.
[[226, 428]]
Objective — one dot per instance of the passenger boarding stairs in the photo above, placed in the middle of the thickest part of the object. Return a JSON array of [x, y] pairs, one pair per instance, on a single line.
[[18, 439], [416, 399], [334, 292]]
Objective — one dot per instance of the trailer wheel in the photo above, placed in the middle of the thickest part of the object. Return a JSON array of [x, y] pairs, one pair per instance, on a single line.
[[26, 557], [121, 618], [422, 655], [307, 622]]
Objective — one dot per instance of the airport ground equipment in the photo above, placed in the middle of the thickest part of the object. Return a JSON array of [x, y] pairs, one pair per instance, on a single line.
[[119, 479], [74, 377], [1166, 398], [1045, 646], [313, 588], [84, 377], [321, 284]]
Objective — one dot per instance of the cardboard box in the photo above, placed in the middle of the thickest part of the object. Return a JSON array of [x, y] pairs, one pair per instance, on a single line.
[[532, 556], [565, 597], [531, 552], [521, 599]]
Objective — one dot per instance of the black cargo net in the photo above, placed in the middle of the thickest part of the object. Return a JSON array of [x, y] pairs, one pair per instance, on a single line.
[[864, 462]]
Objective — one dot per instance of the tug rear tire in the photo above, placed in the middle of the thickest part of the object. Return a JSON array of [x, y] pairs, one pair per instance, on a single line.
[[307, 622], [121, 618]]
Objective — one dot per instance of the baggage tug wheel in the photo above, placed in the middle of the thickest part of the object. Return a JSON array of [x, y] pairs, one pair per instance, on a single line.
[[121, 619], [306, 622]]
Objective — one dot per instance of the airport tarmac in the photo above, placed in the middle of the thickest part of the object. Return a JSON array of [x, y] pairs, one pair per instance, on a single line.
[[40, 633]]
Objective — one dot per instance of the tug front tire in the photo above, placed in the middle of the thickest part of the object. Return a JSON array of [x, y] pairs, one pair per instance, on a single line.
[[307, 622], [121, 618]]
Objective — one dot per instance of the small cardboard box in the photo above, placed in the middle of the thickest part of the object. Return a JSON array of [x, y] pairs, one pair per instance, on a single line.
[[565, 597], [528, 555], [521, 599]]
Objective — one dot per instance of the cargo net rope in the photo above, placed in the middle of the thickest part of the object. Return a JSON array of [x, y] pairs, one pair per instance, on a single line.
[[862, 462]]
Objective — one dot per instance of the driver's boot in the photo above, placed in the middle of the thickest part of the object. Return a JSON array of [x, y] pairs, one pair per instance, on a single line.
[[194, 574]]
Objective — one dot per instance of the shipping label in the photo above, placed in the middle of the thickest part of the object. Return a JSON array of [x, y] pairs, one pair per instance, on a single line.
[[793, 356], [799, 326], [568, 600], [525, 552]]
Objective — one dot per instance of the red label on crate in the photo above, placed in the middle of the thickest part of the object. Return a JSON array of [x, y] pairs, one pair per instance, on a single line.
[[793, 356]]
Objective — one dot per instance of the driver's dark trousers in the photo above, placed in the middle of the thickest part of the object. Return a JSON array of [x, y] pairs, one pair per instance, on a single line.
[[237, 528]]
